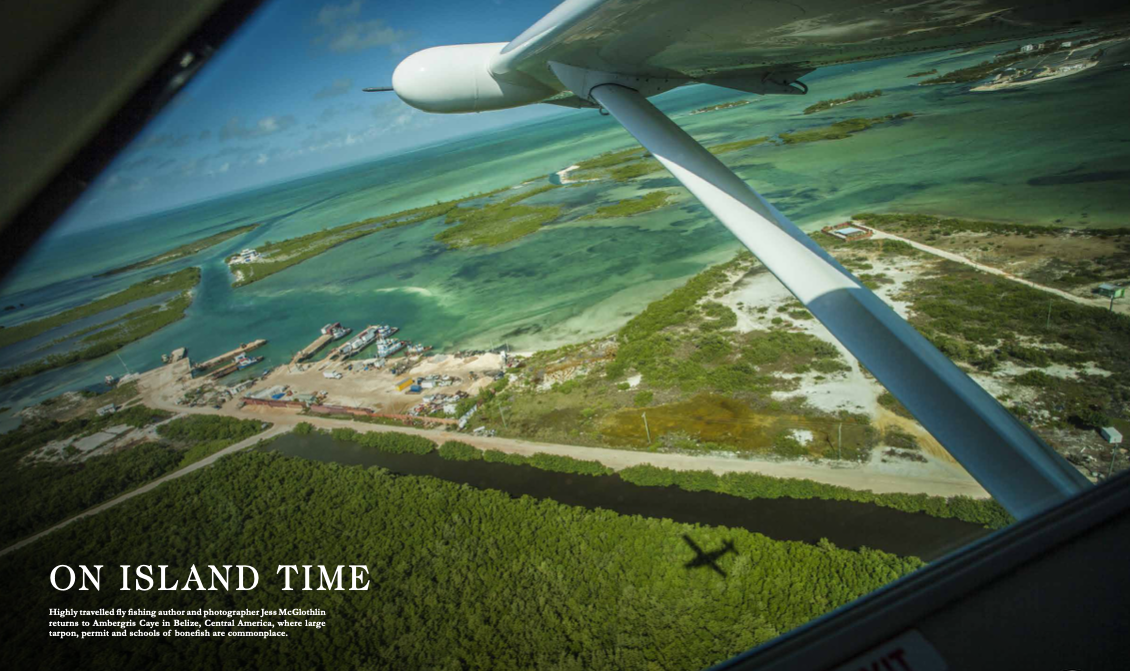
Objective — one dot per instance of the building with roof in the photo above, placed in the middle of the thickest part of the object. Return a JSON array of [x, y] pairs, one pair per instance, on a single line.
[[848, 231]]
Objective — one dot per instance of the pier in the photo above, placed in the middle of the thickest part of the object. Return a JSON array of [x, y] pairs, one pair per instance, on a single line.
[[242, 349], [312, 348]]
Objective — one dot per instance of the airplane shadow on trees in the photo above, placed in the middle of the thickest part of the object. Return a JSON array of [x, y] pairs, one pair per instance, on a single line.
[[708, 559]]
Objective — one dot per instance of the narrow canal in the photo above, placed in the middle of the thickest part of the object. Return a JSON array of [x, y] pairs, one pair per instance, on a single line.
[[845, 523]]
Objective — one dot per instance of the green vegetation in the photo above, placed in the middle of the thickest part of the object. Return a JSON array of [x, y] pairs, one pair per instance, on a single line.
[[497, 223], [460, 577], [628, 164], [854, 97], [549, 462], [756, 486], [745, 485], [840, 129], [653, 200], [457, 451], [675, 308], [611, 159], [620, 166], [637, 169], [896, 438], [1077, 261], [386, 441], [875, 280], [401, 443], [900, 223], [888, 401], [179, 281], [40, 494], [721, 106], [704, 385], [983, 320], [183, 250], [279, 256], [204, 435], [737, 145], [924, 73], [974, 72], [117, 333]]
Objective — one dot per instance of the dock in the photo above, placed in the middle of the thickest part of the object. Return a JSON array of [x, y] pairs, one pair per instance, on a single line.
[[312, 348], [242, 349], [337, 350]]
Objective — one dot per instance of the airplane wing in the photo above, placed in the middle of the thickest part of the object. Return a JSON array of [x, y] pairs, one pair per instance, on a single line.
[[727, 39], [614, 54]]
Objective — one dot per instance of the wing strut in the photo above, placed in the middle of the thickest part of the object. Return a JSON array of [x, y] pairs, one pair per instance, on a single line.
[[1004, 455]]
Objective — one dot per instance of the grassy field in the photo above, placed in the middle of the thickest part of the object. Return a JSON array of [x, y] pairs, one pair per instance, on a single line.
[[183, 250]]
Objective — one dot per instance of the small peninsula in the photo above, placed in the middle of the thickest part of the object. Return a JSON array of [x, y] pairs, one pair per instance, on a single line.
[[182, 251]]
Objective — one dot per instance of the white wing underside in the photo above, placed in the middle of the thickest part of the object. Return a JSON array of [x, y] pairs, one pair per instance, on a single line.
[[681, 39]]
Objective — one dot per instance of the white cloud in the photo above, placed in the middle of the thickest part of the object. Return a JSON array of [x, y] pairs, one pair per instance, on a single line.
[[341, 30]]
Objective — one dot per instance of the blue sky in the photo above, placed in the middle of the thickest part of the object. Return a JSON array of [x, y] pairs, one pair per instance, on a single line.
[[283, 98]]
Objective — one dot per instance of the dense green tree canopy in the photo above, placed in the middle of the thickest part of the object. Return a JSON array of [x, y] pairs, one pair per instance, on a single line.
[[461, 578]]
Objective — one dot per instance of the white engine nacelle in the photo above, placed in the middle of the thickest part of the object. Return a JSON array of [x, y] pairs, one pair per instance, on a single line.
[[457, 79]]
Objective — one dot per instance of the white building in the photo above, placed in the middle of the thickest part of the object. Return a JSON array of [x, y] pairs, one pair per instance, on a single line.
[[1111, 435], [107, 410], [1028, 48], [1065, 45], [246, 256]]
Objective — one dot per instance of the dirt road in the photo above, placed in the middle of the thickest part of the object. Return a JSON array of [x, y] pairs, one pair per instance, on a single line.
[[944, 480], [207, 461], [880, 235]]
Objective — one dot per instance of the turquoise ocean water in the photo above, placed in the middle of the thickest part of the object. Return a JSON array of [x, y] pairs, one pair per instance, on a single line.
[[1055, 152]]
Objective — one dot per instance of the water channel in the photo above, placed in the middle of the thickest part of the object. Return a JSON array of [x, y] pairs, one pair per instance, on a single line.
[[845, 523]]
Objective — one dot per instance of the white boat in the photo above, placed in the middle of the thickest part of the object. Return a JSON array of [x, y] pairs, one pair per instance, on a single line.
[[360, 342], [386, 348]]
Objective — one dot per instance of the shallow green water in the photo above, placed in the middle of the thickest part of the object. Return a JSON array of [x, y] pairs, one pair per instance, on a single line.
[[1052, 152]]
